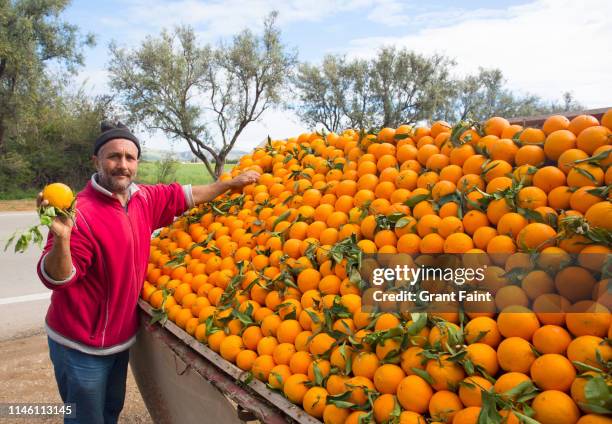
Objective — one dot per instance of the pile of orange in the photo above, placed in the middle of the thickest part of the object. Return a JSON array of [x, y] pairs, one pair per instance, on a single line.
[[263, 277]]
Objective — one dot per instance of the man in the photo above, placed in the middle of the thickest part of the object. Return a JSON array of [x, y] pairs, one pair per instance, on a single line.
[[96, 267]]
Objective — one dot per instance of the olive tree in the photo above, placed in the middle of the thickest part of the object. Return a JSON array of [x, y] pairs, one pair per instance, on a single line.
[[407, 86], [32, 35], [204, 95], [485, 94], [322, 91], [392, 88]]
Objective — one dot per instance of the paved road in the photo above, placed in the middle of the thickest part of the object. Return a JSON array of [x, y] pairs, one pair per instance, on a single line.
[[23, 298]]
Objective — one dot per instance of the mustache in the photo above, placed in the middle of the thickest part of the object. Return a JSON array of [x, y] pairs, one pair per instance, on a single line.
[[121, 173]]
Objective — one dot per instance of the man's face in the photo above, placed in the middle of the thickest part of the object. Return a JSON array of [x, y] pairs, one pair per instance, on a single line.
[[117, 164]]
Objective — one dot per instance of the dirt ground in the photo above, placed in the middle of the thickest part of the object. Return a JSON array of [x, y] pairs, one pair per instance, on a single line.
[[17, 205], [26, 375]]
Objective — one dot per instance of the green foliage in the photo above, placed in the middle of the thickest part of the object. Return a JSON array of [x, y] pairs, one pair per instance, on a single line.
[[395, 87], [408, 86], [21, 194], [400, 86], [15, 172], [53, 142], [322, 91], [33, 234], [31, 36], [45, 132], [484, 95], [202, 94], [165, 169]]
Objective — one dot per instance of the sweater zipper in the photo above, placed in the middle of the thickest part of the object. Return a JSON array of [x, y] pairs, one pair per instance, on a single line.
[[134, 277], [133, 241], [125, 210]]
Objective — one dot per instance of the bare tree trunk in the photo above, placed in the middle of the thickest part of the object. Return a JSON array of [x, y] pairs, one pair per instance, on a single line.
[[219, 166]]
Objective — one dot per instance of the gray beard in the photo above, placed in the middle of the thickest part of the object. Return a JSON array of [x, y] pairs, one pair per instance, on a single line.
[[110, 186]]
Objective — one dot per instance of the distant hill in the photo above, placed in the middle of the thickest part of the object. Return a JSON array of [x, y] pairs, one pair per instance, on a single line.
[[154, 155]]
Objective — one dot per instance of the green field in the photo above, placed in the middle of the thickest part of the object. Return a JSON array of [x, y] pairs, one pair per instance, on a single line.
[[187, 173]]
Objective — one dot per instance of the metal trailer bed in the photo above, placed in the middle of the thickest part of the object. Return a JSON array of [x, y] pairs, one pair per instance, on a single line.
[[183, 381]]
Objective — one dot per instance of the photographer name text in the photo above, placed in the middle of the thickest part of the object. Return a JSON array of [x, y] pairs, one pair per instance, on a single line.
[[426, 296]]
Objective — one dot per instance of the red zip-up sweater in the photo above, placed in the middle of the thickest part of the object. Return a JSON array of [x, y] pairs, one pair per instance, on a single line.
[[95, 309]]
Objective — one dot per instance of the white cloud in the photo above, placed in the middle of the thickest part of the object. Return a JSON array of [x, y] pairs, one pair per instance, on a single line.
[[388, 12], [222, 18], [94, 81], [277, 124], [546, 47]]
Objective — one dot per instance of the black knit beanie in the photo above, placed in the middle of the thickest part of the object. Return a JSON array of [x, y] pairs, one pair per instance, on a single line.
[[110, 131]]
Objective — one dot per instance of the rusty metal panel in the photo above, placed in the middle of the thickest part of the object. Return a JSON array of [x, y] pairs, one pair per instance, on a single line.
[[172, 390], [267, 405]]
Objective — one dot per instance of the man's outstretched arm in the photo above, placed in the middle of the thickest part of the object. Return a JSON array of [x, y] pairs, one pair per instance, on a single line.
[[208, 192]]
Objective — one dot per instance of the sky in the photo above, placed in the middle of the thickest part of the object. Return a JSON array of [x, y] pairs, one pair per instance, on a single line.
[[543, 47]]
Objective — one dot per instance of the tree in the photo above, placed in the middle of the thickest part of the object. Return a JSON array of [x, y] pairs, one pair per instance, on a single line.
[[31, 36], [53, 141], [360, 105], [407, 86], [568, 104], [395, 87], [322, 93], [484, 95], [203, 95], [165, 169]]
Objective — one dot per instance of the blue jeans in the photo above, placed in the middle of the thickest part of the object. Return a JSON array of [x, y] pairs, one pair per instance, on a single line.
[[95, 384]]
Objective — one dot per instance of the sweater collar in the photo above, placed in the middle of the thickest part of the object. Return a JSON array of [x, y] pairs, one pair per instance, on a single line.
[[133, 188]]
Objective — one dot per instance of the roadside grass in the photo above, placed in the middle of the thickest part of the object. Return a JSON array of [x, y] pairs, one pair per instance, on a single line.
[[19, 194]]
